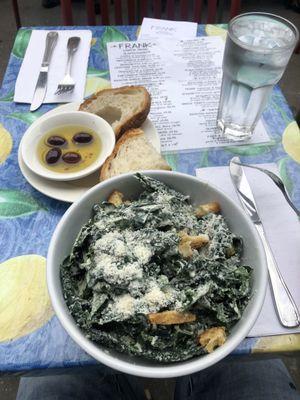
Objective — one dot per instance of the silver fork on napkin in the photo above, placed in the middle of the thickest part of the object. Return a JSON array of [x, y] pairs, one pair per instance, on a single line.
[[67, 84], [285, 305]]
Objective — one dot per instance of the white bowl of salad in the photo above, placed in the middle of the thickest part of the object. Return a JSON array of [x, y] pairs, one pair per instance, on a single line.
[[156, 274]]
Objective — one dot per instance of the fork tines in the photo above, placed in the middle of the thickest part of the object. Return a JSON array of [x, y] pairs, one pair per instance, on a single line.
[[64, 89]]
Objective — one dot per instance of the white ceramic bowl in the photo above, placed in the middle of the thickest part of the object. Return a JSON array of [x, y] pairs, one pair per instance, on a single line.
[[199, 192], [38, 129]]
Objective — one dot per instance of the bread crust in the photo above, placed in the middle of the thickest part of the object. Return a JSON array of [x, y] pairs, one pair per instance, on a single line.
[[105, 167], [133, 122]]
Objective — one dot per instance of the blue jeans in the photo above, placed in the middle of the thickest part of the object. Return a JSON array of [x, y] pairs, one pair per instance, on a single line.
[[236, 380]]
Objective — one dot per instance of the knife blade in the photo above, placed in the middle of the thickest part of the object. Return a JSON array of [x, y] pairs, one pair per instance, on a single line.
[[285, 305], [41, 85]]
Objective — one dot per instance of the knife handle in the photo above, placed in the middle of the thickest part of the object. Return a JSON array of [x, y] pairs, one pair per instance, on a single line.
[[286, 307], [51, 40]]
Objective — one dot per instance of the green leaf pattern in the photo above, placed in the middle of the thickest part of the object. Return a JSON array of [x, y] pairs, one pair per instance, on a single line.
[[111, 34], [249, 150], [21, 43], [203, 162], [172, 160], [8, 97], [27, 117], [284, 174], [14, 203], [97, 72]]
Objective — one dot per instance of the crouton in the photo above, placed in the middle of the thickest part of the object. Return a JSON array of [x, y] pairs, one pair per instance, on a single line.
[[212, 338], [116, 198], [207, 208], [188, 243], [171, 318], [230, 251]]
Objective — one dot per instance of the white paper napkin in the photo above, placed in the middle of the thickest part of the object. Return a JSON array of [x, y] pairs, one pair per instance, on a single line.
[[29, 71], [283, 232]]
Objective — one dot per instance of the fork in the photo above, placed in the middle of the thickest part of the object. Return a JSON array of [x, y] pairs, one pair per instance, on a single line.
[[278, 182], [67, 84]]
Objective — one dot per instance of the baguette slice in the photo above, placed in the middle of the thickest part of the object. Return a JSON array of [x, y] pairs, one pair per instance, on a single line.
[[123, 108], [132, 152]]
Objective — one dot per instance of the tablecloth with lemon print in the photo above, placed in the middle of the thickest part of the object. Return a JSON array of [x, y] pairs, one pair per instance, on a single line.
[[31, 336]]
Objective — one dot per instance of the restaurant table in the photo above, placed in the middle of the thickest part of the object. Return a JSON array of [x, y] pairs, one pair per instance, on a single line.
[[33, 338]]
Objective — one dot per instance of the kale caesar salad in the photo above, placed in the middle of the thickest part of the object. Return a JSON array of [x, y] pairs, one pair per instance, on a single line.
[[155, 276]]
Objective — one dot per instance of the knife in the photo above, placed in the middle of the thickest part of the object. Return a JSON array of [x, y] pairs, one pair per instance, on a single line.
[[285, 305], [41, 86]]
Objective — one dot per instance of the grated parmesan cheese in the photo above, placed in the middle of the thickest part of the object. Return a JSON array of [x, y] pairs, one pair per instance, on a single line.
[[129, 272], [125, 305], [142, 253], [155, 298], [120, 248]]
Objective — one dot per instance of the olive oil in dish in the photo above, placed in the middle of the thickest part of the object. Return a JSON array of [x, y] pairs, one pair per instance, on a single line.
[[69, 148]]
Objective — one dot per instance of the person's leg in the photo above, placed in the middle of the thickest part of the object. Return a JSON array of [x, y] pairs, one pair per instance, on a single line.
[[252, 380], [90, 385]]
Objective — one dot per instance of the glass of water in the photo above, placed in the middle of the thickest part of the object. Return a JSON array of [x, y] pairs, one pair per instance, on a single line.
[[258, 48]]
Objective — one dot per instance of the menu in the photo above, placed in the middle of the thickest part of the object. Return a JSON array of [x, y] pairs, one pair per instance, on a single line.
[[184, 79], [162, 28]]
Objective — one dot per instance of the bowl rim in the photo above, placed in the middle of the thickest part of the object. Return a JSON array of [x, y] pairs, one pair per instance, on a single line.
[[109, 137], [161, 370]]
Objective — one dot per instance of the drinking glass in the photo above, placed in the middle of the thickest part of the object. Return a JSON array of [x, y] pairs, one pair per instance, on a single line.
[[258, 48]]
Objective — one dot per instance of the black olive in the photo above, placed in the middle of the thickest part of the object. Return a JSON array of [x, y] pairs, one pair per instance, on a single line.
[[82, 137], [53, 155], [71, 157], [56, 141]]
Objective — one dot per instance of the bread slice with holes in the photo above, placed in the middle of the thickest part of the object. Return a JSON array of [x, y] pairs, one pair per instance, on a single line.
[[123, 108], [133, 152]]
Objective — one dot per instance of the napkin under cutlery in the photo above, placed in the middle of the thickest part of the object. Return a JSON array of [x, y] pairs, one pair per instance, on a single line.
[[29, 71], [283, 232]]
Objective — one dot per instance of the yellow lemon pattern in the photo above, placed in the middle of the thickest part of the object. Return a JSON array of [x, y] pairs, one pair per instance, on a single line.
[[138, 31], [93, 42], [213, 30], [291, 141], [277, 344], [24, 300], [5, 144], [94, 84]]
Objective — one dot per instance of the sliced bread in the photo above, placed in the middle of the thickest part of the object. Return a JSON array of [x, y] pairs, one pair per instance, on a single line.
[[123, 108], [133, 152]]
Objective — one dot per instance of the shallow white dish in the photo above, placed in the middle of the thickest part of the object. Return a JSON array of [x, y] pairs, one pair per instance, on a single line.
[[72, 190], [33, 135], [199, 192], [69, 191]]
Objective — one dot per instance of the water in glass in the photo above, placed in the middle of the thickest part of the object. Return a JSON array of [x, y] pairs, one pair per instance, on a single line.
[[257, 50]]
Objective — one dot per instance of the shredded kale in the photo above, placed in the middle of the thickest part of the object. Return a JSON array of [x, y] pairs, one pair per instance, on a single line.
[[126, 264]]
